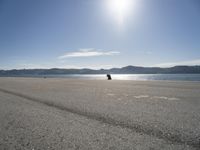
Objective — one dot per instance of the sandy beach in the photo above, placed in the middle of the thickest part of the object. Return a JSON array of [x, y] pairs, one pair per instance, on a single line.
[[55, 113]]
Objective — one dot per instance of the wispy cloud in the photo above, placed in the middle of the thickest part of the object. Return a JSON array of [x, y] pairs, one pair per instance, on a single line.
[[91, 66], [181, 63], [88, 53]]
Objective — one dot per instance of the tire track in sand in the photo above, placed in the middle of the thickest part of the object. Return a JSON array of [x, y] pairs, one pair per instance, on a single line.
[[167, 136]]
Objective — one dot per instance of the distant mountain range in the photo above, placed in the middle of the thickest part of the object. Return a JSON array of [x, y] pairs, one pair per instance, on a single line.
[[123, 70]]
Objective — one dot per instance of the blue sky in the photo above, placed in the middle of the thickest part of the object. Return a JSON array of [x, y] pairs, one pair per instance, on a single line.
[[98, 33]]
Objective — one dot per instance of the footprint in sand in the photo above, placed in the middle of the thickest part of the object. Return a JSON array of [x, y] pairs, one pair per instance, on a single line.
[[165, 98], [110, 94], [141, 96]]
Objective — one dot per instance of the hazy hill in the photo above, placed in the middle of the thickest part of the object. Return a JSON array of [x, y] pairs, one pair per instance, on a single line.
[[123, 70]]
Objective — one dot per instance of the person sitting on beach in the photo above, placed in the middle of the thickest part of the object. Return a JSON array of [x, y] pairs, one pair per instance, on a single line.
[[109, 77]]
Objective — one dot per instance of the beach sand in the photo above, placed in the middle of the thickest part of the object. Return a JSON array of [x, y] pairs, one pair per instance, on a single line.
[[58, 113]]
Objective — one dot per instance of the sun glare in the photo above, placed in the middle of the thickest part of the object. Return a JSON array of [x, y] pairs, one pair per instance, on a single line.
[[120, 9]]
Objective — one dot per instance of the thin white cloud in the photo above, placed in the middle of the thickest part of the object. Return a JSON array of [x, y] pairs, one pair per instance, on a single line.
[[88, 53], [94, 66], [182, 63]]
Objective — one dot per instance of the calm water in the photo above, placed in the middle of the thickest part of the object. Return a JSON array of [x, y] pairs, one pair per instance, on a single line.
[[180, 77]]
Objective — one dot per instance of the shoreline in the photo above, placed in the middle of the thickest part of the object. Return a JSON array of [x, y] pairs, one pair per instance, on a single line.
[[86, 79]]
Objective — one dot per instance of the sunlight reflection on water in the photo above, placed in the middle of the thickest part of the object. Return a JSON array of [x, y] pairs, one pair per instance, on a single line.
[[181, 77], [128, 77]]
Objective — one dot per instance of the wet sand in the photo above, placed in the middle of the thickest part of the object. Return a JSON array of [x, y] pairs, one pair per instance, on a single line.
[[54, 113]]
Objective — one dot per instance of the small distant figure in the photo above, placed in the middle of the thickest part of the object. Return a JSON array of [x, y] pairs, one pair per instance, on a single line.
[[109, 77]]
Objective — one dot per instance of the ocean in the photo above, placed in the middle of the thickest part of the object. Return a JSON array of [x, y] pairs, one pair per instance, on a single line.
[[170, 77]]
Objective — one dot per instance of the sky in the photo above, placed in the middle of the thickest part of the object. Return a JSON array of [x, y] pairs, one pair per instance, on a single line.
[[99, 33]]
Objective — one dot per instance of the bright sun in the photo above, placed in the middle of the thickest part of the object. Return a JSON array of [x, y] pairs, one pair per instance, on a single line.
[[120, 9]]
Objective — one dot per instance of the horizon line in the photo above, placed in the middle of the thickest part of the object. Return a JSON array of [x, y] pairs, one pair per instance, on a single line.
[[99, 68]]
